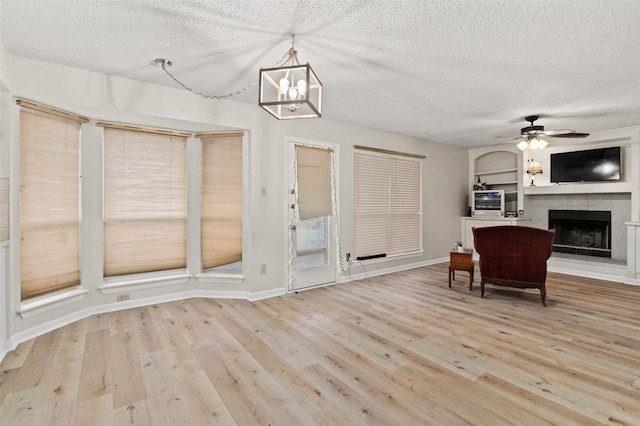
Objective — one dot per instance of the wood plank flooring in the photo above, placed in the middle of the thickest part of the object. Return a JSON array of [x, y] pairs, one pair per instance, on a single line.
[[401, 349]]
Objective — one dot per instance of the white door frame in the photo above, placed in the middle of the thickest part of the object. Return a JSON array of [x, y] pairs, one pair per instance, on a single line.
[[333, 249]]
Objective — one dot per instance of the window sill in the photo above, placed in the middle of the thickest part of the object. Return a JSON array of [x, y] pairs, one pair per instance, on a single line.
[[142, 282], [218, 277], [49, 302]]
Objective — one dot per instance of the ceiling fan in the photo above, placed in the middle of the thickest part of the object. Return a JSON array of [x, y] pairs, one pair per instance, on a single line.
[[532, 135]]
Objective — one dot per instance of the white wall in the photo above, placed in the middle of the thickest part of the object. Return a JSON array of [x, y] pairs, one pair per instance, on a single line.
[[109, 98]]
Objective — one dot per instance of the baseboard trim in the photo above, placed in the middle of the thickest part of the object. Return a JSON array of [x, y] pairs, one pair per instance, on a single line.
[[384, 271]]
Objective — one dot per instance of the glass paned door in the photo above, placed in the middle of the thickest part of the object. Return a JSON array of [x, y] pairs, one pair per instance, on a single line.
[[312, 250]]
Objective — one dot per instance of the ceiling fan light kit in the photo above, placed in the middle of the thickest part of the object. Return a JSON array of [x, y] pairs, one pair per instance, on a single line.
[[532, 143]]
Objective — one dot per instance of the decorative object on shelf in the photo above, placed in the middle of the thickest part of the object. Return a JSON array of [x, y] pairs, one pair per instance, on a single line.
[[532, 134], [533, 169], [291, 90], [287, 91], [480, 185]]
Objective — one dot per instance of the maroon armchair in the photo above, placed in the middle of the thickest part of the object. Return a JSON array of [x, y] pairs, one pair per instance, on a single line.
[[514, 256]]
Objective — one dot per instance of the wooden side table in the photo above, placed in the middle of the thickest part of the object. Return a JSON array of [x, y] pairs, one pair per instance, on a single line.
[[461, 261]]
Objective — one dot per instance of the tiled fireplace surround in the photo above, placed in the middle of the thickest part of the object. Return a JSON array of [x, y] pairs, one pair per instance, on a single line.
[[537, 209]]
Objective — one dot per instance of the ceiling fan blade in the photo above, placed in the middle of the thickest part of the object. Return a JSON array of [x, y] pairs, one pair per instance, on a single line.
[[570, 135], [558, 132]]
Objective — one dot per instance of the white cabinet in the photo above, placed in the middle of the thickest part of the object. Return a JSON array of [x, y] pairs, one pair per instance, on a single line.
[[467, 223]]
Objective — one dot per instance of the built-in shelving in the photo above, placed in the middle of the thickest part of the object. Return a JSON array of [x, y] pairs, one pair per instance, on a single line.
[[498, 168], [496, 172], [505, 183]]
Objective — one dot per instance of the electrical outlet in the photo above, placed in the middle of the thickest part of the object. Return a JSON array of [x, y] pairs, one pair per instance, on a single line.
[[263, 269], [348, 257], [124, 296]]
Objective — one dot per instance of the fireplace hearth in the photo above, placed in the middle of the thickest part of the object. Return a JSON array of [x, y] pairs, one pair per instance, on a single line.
[[583, 232]]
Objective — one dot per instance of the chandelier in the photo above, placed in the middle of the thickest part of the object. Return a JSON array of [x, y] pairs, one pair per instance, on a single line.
[[532, 142], [288, 90], [291, 90]]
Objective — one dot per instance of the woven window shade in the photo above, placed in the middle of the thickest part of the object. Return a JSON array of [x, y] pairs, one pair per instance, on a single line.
[[221, 205], [145, 203], [49, 203], [314, 182], [388, 206]]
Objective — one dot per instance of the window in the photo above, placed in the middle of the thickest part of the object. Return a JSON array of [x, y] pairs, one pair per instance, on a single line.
[[388, 204], [49, 203], [221, 202], [145, 201]]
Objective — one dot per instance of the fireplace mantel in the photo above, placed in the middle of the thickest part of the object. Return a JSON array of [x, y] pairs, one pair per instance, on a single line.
[[579, 188]]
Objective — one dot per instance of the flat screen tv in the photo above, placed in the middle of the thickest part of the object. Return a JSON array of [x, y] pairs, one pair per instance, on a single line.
[[593, 165]]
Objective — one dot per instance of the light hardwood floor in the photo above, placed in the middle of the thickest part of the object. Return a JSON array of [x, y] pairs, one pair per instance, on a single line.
[[399, 349]]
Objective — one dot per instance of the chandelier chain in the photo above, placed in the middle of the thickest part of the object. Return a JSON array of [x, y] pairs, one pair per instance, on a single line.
[[163, 63]]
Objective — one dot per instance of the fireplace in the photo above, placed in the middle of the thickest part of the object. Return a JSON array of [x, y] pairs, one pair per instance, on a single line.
[[584, 232]]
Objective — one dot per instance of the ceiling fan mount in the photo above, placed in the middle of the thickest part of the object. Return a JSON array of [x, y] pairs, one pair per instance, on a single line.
[[531, 130]]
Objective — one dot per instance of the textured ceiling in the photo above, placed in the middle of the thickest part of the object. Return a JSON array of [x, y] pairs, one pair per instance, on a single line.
[[456, 72]]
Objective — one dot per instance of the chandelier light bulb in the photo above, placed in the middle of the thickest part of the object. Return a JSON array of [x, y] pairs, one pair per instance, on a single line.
[[302, 88], [523, 146], [293, 93], [284, 85]]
